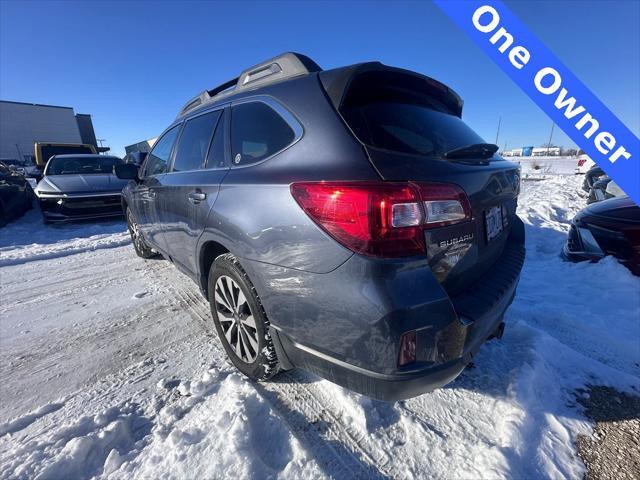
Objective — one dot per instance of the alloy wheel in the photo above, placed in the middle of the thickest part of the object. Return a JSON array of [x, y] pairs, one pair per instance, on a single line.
[[133, 228], [236, 319]]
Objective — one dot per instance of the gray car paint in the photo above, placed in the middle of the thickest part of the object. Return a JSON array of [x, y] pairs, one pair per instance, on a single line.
[[333, 312], [77, 184]]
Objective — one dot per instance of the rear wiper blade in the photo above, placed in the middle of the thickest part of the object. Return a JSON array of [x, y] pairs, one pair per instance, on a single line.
[[476, 150]]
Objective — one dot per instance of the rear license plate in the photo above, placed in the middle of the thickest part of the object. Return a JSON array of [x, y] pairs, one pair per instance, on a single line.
[[493, 222]]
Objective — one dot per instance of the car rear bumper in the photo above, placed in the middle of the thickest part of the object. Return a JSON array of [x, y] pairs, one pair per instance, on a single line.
[[346, 325]]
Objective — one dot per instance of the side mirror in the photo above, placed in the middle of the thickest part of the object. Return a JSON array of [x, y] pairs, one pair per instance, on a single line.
[[135, 158], [126, 171], [141, 157]]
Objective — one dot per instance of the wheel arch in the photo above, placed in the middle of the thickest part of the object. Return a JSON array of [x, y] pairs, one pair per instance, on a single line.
[[208, 252], [124, 203]]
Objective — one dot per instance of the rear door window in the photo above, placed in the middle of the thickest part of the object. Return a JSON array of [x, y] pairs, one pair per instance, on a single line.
[[216, 158], [257, 132], [158, 158], [194, 142]]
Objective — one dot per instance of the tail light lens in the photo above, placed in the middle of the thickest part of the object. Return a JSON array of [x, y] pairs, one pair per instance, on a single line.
[[444, 204], [380, 218]]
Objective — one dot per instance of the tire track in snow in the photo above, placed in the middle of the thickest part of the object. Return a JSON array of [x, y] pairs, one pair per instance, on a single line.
[[317, 427]]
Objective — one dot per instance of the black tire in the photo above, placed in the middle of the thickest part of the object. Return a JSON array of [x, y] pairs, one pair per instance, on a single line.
[[29, 197], [3, 216], [140, 246], [265, 364]]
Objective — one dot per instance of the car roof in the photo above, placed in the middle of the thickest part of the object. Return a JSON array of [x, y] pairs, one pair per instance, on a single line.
[[289, 66]]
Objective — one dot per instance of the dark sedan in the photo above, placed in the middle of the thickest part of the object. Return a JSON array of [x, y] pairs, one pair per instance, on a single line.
[[80, 187], [610, 227], [16, 196]]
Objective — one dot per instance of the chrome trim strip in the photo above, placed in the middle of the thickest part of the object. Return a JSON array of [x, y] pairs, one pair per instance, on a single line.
[[77, 195]]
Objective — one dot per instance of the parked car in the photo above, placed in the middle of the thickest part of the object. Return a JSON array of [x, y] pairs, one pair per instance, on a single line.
[[598, 190], [16, 195], [346, 221], [14, 165], [613, 190], [610, 227], [43, 151], [592, 176], [584, 163], [80, 187]]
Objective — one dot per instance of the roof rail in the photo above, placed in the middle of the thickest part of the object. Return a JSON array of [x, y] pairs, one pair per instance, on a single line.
[[281, 67]]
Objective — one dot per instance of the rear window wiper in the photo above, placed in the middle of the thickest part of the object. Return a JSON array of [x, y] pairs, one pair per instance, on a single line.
[[476, 150]]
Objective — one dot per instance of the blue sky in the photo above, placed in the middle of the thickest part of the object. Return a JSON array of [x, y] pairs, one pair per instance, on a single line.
[[132, 65]]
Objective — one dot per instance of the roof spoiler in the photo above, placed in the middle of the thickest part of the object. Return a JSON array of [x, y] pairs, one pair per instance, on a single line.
[[337, 84], [281, 67]]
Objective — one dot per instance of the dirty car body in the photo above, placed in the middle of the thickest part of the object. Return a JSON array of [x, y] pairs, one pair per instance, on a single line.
[[380, 234]]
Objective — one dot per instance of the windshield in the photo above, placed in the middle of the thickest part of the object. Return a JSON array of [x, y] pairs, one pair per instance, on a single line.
[[77, 165], [409, 128]]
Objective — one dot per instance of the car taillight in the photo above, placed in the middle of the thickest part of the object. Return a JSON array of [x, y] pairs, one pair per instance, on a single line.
[[444, 204], [581, 162], [381, 219]]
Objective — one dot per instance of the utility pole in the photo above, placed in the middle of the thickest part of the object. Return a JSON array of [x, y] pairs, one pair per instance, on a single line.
[[550, 137], [498, 131]]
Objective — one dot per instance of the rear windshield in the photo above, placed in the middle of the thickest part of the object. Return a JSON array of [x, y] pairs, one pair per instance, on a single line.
[[80, 165], [408, 128]]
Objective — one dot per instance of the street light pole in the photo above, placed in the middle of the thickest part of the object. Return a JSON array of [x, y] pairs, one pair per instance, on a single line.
[[550, 137]]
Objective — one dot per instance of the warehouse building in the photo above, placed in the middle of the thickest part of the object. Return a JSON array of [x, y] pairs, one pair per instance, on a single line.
[[144, 146], [23, 124]]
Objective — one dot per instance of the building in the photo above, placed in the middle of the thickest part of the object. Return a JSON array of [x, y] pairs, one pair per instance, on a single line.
[[23, 124], [533, 152], [546, 152], [144, 146]]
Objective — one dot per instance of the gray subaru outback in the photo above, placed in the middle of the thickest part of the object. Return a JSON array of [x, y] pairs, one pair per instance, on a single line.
[[343, 221]]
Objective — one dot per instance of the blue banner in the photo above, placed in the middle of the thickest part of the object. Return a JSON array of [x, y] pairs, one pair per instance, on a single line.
[[577, 111]]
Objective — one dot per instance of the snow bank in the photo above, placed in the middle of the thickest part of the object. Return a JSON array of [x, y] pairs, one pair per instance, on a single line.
[[546, 165], [28, 239]]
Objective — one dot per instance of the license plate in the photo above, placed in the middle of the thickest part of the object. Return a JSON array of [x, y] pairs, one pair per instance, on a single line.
[[493, 222]]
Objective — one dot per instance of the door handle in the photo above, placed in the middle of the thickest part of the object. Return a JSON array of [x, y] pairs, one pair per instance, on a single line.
[[197, 197]]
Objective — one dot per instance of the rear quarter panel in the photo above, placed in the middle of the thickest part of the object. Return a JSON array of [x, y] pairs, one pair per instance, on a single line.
[[255, 216]]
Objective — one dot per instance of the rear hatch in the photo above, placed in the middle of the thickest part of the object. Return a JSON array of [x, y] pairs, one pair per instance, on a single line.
[[411, 129]]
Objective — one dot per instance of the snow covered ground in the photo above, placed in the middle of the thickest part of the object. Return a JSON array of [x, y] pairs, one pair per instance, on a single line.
[[109, 368]]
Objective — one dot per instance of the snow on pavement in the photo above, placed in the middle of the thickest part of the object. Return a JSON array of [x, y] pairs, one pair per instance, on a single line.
[[110, 368]]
